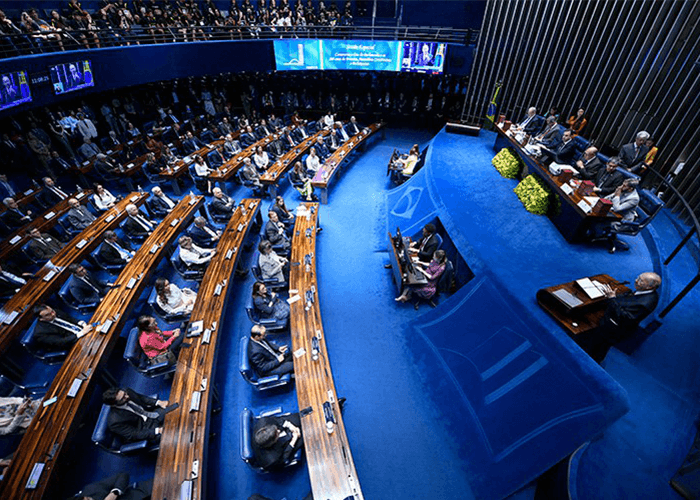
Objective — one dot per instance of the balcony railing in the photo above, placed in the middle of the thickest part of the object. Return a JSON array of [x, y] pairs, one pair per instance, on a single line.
[[58, 41]]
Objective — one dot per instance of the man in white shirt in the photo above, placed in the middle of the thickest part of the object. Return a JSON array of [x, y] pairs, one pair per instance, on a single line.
[[136, 225], [160, 204], [86, 128]]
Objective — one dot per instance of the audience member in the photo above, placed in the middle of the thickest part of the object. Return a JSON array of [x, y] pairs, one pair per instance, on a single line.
[[52, 194], [11, 280], [193, 256], [56, 331], [221, 204], [269, 304], [172, 299], [42, 246], [275, 232], [634, 154], [113, 251], [159, 346], [202, 235], [133, 416], [272, 266], [14, 215], [102, 198], [276, 440], [266, 357], [160, 204], [85, 287], [313, 162], [79, 217], [136, 224], [117, 486], [16, 414]]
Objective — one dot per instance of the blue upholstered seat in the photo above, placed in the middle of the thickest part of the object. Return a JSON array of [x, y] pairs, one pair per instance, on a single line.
[[249, 374]]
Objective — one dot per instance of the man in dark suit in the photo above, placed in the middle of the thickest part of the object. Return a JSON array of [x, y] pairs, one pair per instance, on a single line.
[[267, 358], [136, 224], [203, 235], [117, 486], [531, 123], [275, 122], [113, 251], [287, 141], [79, 217], [276, 440], [563, 153], [247, 137], [633, 154], [9, 91], [322, 149], [353, 128], [622, 316], [341, 133], [7, 187], [425, 247], [58, 164], [550, 136], [221, 204], [275, 232], [301, 132], [231, 146], [191, 143], [52, 194], [14, 215], [85, 287], [11, 280], [160, 204], [589, 165], [609, 178], [263, 130], [74, 77], [134, 417], [42, 246], [55, 330]]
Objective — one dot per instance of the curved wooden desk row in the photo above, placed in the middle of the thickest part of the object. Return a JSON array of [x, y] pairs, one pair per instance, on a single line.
[[273, 174], [16, 314], [226, 171], [86, 166], [331, 467], [23, 197], [185, 432], [325, 174], [55, 424], [44, 221]]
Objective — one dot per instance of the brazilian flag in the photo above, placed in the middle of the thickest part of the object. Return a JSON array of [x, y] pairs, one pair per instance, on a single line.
[[493, 107]]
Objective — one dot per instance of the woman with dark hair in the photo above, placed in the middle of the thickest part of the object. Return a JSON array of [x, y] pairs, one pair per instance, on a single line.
[[159, 346], [301, 182], [433, 272], [577, 123], [102, 198], [173, 299], [269, 304]]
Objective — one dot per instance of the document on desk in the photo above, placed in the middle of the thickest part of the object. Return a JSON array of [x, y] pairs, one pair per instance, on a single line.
[[567, 299], [292, 300], [592, 200], [566, 188], [590, 288], [583, 205]]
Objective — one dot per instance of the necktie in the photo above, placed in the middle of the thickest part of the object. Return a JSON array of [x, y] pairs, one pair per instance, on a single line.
[[168, 202], [86, 281], [144, 223], [268, 348], [66, 325], [124, 254], [138, 410], [210, 232]]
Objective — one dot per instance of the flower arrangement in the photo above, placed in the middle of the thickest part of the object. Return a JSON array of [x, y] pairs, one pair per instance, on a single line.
[[534, 194], [507, 163]]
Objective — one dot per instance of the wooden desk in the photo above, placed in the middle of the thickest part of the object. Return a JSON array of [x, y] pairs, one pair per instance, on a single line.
[[325, 174], [331, 467], [56, 424], [401, 276], [36, 290], [569, 218], [584, 316], [185, 433], [23, 197], [226, 171], [272, 176], [181, 166], [19, 237]]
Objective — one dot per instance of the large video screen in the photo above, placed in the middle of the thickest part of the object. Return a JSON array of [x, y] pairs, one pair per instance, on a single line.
[[377, 55], [72, 76], [14, 90], [423, 57]]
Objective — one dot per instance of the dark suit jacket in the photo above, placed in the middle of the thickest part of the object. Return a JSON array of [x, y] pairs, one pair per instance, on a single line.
[[158, 206], [564, 153], [59, 165], [84, 293], [8, 287], [200, 237], [628, 158], [322, 150], [14, 219], [4, 193], [53, 338], [296, 133], [431, 245], [552, 138], [48, 198], [623, 314], [608, 183], [101, 489], [277, 455], [272, 233], [110, 255], [80, 219], [247, 139], [133, 228], [353, 129], [260, 131], [46, 250], [590, 171], [192, 145], [132, 427], [218, 206], [261, 359], [534, 125]]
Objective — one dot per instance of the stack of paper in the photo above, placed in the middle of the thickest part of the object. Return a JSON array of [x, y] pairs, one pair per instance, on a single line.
[[590, 288]]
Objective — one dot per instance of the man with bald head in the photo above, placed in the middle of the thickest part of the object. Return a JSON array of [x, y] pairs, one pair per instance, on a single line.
[[622, 316], [588, 165], [78, 216]]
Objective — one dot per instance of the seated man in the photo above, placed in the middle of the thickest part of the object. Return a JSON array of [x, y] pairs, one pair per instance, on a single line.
[[563, 155], [250, 174], [266, 357], [8, 189], [625, 201], [160, 204], [353, 128], [333, 142], [231, 147], [51, 194], [14, 215], [272, 266], [85, 287], [194, 256], [588, 166], [202, 235], [321, 149], [341, 133], [632, 155], [276, 440], [117, 486], [275, 231], [58, 164], [152, 165], [425, 247], [247, 137], [608, 179], [221, 204], [300, 132], [530, 124], [114, 251], [56, 331], [11, 280], [275, 122], [225, 126], [42, 246], [622, 316], [134, 417], [136, 224], [191, 143], [79, 217], [287, 141], [549, 138], [105, 168], [263, 130], [88, 149]]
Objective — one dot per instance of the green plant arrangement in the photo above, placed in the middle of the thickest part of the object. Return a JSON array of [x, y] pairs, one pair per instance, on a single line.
[[533, 193], [507, 163]]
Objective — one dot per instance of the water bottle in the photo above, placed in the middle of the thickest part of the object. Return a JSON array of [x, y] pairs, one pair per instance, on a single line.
[[139, 188]]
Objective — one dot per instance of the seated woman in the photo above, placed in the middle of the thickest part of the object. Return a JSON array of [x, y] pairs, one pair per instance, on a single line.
[[406, 164], [172, 299], [301, 182], [202, 170], [103, 199], [577, 123], [285, 216], [261, 159], [16, 414], [152, 145], [433, 272], [269, 304], [194, 256], [159, 346], [272, 266]]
